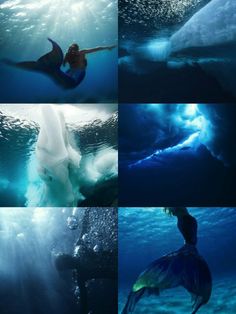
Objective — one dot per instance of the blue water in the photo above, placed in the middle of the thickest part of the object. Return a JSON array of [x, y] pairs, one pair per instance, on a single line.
[[186, 155], [30, 238], [146, 234], [169, 52], [25, 27]]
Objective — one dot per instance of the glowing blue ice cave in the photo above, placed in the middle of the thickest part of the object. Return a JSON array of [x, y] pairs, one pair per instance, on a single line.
[[187, 116]]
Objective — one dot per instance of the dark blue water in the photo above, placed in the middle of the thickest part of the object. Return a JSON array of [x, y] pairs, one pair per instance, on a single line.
[[177, 154], [30, 238], [197, 65], [148, 73], [146, 234], [25, 27]]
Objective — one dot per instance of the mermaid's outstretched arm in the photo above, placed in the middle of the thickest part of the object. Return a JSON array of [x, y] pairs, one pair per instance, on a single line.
[[91, 50]]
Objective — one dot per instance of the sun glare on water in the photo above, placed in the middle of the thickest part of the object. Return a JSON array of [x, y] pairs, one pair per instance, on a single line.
[[58, 18]]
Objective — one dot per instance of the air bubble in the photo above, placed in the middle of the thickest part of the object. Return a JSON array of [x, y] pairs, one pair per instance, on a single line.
[[72, 222]]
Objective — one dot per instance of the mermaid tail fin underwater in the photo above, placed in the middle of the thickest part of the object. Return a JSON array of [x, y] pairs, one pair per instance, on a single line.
[[133, 299], [184, 267], [181, 268], [50, 64]]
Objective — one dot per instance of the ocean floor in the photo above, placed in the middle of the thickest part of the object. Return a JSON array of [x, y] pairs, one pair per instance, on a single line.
[[223, 300]]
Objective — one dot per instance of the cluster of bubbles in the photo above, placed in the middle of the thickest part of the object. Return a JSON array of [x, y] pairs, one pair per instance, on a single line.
[[72, 222], [101, 233], [96, 234], [86, 241], [155, 13]]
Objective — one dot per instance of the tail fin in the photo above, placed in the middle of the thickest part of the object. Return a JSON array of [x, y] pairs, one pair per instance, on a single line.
[[49, 62], [133, 299], [53, 59], [7, 61], [26, 65], [197, 301]]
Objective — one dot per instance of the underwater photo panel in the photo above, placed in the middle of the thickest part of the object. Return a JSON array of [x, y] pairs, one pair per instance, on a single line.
[[58, 260], [177, 260], [177, 51], [58, 155], [177, 154], [60, 51]]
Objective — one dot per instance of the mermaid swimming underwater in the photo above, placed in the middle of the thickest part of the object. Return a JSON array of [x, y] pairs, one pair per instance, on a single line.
[[50, 64], [184, 267]]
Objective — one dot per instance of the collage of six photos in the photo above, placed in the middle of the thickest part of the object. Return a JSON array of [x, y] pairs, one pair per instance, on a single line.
[[118, 156]]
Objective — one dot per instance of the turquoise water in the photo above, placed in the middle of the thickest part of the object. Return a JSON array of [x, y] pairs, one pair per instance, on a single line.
[[92, 134], [25, 27], [146, 234]]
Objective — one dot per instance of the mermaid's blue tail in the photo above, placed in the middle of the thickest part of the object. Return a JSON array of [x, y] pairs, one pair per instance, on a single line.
[[133, 299], [197, 281], [53, 59], [181, 268], [50, 64]]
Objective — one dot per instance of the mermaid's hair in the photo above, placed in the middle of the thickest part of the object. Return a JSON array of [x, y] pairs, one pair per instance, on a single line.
[[175, 211], [74, 46]]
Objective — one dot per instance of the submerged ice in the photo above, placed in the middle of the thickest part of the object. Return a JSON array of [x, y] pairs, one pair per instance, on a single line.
[[212, 25], [159, 50], [61, 171], [45, 146], [57, 162]]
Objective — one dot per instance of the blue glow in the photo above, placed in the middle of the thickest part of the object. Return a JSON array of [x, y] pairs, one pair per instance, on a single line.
[[197, 122], [192, 141], [186, 116], [159, 49], [191, 109]]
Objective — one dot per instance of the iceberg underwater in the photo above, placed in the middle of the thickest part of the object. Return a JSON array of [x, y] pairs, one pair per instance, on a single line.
[[58, 155], [210, 34], [58, 161], [212, 25], [56, 170]]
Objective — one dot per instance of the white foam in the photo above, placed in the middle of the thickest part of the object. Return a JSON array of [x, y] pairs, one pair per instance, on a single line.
[[101, 165]]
